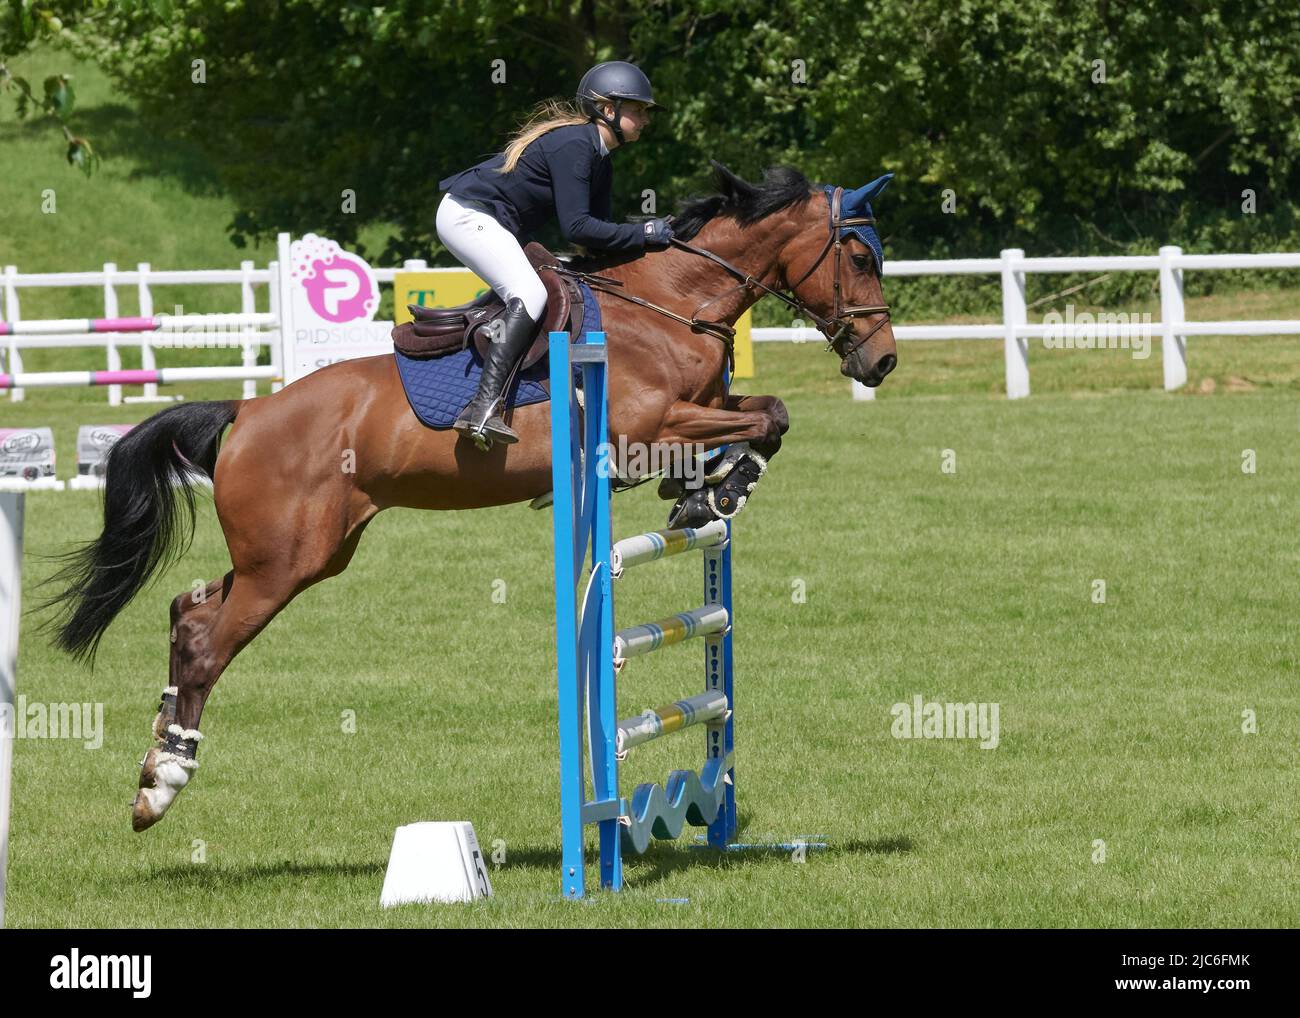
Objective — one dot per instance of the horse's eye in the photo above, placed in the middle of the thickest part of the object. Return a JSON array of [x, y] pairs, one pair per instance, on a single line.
[[862, 262]]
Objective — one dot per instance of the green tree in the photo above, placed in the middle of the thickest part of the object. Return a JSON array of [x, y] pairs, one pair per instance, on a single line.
[[24, 23], [1080, 126]]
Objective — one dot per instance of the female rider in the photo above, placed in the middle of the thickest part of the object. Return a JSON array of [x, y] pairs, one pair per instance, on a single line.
[[557, 166]]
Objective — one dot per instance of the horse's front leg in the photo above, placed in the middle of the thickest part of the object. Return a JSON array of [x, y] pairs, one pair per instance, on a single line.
[[775, 410], [759, 420], [751, 426]]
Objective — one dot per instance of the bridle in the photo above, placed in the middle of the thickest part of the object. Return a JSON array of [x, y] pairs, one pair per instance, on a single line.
[[835, 328], [841, 319]]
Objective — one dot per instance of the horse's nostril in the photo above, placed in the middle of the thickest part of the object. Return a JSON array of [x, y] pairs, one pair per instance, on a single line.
[[886, 364]]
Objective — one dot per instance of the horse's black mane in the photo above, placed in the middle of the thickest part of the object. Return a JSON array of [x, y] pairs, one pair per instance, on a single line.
[[747, 203]]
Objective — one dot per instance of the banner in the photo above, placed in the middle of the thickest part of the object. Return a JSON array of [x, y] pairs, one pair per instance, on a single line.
[[328, 301]]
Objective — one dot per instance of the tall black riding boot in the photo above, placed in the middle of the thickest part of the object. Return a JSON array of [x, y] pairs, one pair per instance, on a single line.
[[481, 420]]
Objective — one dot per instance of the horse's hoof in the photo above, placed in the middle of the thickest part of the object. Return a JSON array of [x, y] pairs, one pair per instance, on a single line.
[[142, 814], [671, 487], [691, 510], [162, 777]]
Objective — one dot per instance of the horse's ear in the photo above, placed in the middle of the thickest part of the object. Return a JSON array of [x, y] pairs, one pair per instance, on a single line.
[[868, 192], [731, 186]]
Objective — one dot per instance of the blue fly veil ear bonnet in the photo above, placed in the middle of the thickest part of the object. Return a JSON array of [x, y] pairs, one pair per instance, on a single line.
[[857, 205]]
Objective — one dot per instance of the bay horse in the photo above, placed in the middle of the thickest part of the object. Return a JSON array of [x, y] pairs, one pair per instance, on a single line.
[[292, 513]]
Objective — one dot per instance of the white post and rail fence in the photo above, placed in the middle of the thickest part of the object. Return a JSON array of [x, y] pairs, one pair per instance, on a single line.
[[249, 329], [277, 326], [1015, 331]]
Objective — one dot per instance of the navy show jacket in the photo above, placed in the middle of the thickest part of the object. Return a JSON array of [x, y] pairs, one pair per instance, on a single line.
[[566, 173]]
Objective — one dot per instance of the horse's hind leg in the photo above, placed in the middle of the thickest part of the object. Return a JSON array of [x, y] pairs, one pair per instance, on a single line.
[[209, 628]]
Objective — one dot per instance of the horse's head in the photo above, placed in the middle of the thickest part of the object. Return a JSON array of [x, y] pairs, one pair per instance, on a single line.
[[833, 267], [825, 252]]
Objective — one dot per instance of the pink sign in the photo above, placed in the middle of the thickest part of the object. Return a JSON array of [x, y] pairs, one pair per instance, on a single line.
[[338, 286]]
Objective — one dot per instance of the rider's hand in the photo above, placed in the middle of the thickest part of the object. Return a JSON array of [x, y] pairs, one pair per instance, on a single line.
[[657, 232]]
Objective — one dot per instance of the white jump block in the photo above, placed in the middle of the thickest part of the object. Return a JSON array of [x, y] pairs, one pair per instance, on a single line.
[[93, 443], [435, 861], [27, 460]]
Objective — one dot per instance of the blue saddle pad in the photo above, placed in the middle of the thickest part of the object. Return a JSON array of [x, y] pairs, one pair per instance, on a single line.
[[438, 389]]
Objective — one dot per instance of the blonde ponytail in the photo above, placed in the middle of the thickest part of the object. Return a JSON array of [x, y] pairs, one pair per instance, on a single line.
[[547, 116]]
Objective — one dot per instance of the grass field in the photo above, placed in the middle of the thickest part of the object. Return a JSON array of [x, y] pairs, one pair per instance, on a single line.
[[1120, 722]]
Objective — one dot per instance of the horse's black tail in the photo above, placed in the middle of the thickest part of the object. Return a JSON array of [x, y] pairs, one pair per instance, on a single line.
[[147, 499]]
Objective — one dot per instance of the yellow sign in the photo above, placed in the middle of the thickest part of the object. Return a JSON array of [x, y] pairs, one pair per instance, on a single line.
[[448, 289], [433, 290], [744, 346]]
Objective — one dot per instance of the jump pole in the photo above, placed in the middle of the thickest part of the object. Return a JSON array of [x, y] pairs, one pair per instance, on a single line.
[[589, 653]]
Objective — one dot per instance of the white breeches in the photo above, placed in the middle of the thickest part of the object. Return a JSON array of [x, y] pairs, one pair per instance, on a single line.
[[490, 251]]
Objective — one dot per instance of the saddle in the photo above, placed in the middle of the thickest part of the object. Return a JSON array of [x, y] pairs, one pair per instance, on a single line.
[[436, 332]]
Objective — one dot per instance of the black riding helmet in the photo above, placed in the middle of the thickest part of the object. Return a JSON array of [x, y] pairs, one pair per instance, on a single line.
[[617, 80]]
